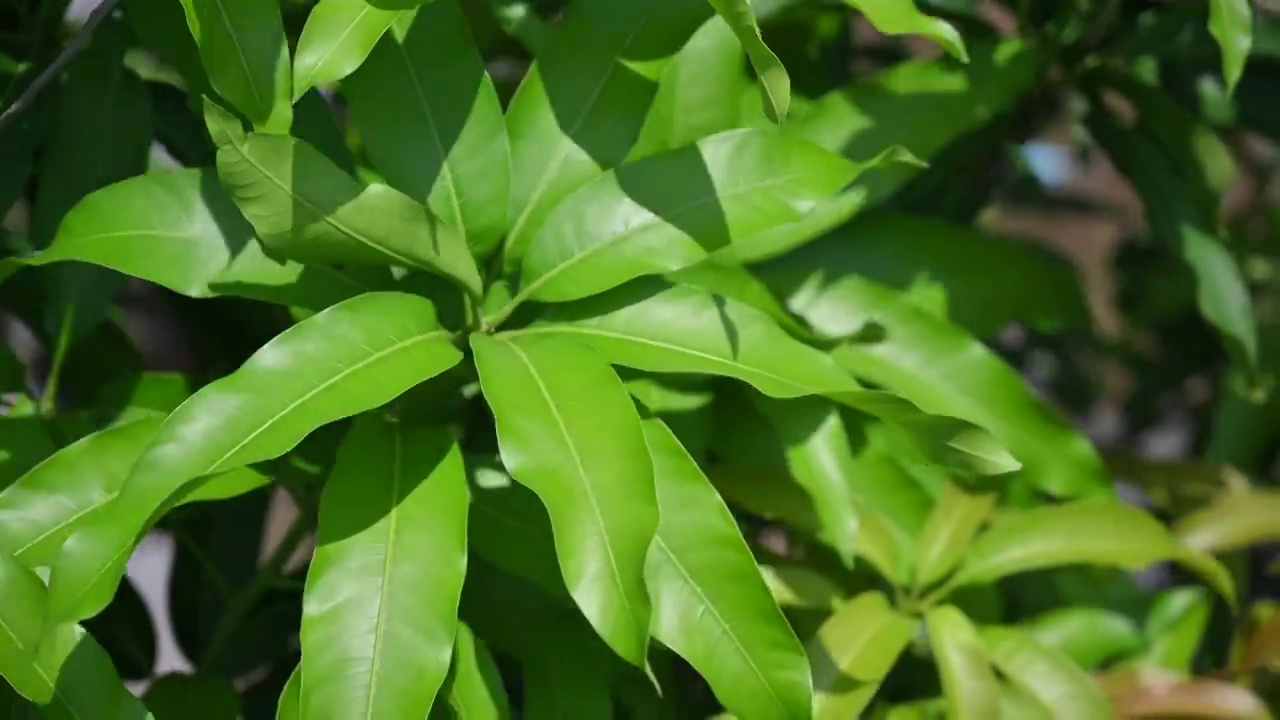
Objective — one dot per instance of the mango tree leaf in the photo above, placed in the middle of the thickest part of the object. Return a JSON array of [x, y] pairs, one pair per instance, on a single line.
[[1089, 636], [126, 632], [1233, 521], [775, 85], [24, 609], [509, 528], [1231, 24], [378, 621], [314, 122], [197, 697], [853, 651], [246, 57], [337, 38], [24, 443], [445, 143], [475, 687], [1046, 675], [304, 208], [1107, 533], [710, 603], [955, 519], [900, 17], [968, 682], [290, 706], [1174, 629], [352, 357], [76, 680], [568, 431], [580, 108]]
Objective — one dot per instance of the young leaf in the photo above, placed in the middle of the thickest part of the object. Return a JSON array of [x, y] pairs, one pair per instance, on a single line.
[[1046, 675], [24, 608], [775, 85], [581, 106], [710, 603], [955, 519], [246, 57], [1233, 521], [352, 357], [380, 608], [1106, 533], [446, 147], [337, 38], [853, 651], [475, 687], [900, 17], [290, 706], [968, 681], [1089, 636], [568, 431], [304, 208], [668, 211], [1231, 24]]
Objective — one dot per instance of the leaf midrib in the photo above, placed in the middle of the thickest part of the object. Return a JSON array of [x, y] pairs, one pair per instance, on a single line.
[[244, 60], [306, 82], [392, 517]]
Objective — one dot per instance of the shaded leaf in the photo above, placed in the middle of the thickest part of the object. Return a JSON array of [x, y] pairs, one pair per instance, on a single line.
[[900, 17], [1174, 629], [1089, 636], [77, 680], [125, 632], [246, 57], [23, 615], [193, 697], [1046, 675], [955, 519], [853, 651], [968, 682], [475, 687]]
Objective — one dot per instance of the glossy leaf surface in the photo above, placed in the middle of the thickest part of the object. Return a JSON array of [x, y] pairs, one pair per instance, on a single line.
[[475, 687], [775, 85], [968, 680], [246, 57], [75, 679], [853, 651], [337, 38], [23, 614], [1046, 675], [955, 519]]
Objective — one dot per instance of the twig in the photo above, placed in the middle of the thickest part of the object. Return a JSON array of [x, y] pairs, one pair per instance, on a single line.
[[78, 43]]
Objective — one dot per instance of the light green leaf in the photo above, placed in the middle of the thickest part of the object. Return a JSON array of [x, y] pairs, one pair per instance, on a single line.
[[1107, 533], [775, 85], [710, 604], [352, 357], [290, 707], [304, 208], [193, 697], [1046, 675], [246, 57], [24, 606], [77, 680], [580, 108], [1231, 24], [802, 587], [1089, 636], [568, 431], [668, 211], [1174, 629], [955, 519], [431, 122], [380, 608], [853, 651], [1233, 521], [968, 682], [337, 38], [475, 687], [900, 17], [697, 93]]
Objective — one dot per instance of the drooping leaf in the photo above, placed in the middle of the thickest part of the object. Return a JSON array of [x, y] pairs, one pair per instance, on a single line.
[[951, 526], [246, 57], [381, 604], [304, 208], [24, 609], [581, 106], [1107, 533], [337, 38], [775, 85], [1046, 675], [352, 357], [1231, 24], [432, 124], [1233, 521], [900, 17], [853, 651], [1089, 636], [197, 697], [710, 603], [968, 681], [475, 687], [567, 430], [75, 680]]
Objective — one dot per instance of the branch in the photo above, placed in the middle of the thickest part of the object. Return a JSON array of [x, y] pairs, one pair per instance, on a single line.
[[78, 43]]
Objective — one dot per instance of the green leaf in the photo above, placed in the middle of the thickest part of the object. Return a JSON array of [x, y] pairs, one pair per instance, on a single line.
[[580, 108], [1089, 636], [40, 510], [126, 632], [968, 681], [352, 357], [290, 707], [955, 519], [900, 17], [1103, 532], [381, 604], [1046, 675], [24, 443], [304, 208], [314, 123], [698, 92], [1231, 24], [568, 431], [853, 651], [710, 604], [1233, 521], [775, 85], [193, 697], [902, 354], [246, 57], [337, 38], [444, 142], [77, 680], [23, 612], [1174, 629], [475, 687], [668, 211], [509, 528]]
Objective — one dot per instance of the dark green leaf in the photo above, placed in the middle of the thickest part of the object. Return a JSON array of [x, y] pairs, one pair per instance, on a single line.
[[76, 680], [125, 631], [24, 444], [955, 519], [475, 687], [968, 681], [1089, 636], [1174, 629], [1046, 675], [246, 57], [314, 123], [193, 697], [510, 529], [853, 651]]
